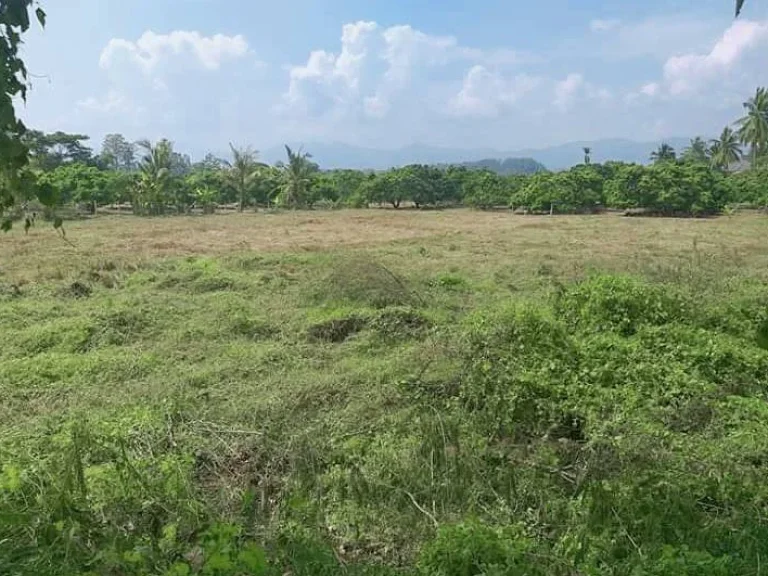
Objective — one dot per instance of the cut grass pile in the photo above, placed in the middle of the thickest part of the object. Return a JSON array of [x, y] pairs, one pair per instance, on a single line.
[[521, 396]]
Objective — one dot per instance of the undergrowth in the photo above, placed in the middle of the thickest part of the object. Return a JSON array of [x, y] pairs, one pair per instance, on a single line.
[[315, 415]]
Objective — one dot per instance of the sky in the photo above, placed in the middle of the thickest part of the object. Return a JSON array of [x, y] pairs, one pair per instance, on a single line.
[[504, 74]]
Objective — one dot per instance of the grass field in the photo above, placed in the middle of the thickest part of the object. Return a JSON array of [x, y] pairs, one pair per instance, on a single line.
[[384, 391]]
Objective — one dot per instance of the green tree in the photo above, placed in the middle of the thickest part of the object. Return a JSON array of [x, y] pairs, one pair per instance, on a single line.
[[669, 188], [117, 153], [211, 162], [753, 126], [484, 189], [48, 151], [696, 151], [726, 150], [579, 189], [15, 183], [243, 172], [153, 188], [296, 178], [79, 183], [664, 153]]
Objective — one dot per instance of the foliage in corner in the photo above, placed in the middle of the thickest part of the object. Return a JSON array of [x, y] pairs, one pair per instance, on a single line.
[[15, 183]]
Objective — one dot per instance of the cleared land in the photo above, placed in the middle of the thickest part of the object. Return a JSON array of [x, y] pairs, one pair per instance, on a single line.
[[315, 378]]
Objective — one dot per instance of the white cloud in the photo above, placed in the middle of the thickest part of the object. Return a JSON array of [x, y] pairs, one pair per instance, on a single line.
[[151, 48], [686, 73], [374, 65], [565, 90], [651, 89], [485, 93], [330, 70], [599, 25], [574, 88]]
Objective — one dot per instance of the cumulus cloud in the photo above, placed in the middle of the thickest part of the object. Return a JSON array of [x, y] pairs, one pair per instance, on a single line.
[[486, 93], [374, 65], [334, 72], [574, 88], [151, 48], [686, 73]]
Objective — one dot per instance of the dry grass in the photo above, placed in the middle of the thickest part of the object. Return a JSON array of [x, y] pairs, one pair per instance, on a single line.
[[473, 237]]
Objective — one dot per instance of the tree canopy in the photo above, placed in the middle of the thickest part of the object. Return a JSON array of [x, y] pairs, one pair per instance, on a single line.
[[14, 22]]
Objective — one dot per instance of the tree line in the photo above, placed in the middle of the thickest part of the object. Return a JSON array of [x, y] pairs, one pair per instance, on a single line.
[[155, 179]]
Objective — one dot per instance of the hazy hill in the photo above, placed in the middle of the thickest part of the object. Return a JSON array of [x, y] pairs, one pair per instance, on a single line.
[[336, 155]]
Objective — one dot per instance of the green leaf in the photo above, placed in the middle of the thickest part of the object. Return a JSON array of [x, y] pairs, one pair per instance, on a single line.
[[40, 16], [253, 559], [6, 225], [58, 223]]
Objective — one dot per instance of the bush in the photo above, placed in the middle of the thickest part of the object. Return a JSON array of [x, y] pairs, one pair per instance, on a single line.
[[474, 549], [618, 303]]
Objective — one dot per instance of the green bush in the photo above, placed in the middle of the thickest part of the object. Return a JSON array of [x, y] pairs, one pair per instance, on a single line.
[[619, 303], [474, 549]]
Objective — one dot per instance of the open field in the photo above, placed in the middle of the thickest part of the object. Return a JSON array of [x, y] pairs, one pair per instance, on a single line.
[[371, 391]]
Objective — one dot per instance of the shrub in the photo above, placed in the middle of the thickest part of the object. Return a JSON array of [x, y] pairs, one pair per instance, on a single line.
[[474, 549], [618, 303]]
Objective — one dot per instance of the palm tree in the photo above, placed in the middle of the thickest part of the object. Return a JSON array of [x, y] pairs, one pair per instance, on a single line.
[[725, 151], [697, 151], [296, 177], [753, 127], [155, 176], [243, 172], [664, 153], [587, 152]]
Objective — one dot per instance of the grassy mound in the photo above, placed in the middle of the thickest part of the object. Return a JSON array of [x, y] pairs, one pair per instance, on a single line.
[[366, 282]]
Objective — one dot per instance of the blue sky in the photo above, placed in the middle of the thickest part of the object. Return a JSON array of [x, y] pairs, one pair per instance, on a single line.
[[489, 73]]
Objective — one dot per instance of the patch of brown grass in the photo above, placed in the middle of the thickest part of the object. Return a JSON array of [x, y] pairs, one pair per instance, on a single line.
[[470, 236]]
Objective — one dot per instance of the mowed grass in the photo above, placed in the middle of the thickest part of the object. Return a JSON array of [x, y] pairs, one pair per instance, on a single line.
[[245, 353]]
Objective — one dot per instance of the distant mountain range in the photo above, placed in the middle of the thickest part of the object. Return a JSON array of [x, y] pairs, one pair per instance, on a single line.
[[335, 155], [508, 166]]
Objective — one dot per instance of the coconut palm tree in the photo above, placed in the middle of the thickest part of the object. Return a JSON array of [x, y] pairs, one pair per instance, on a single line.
[[753, 126], [664, 153], [296, 177], [151, 192], [697, 151], [726, 150], [243, 172]]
